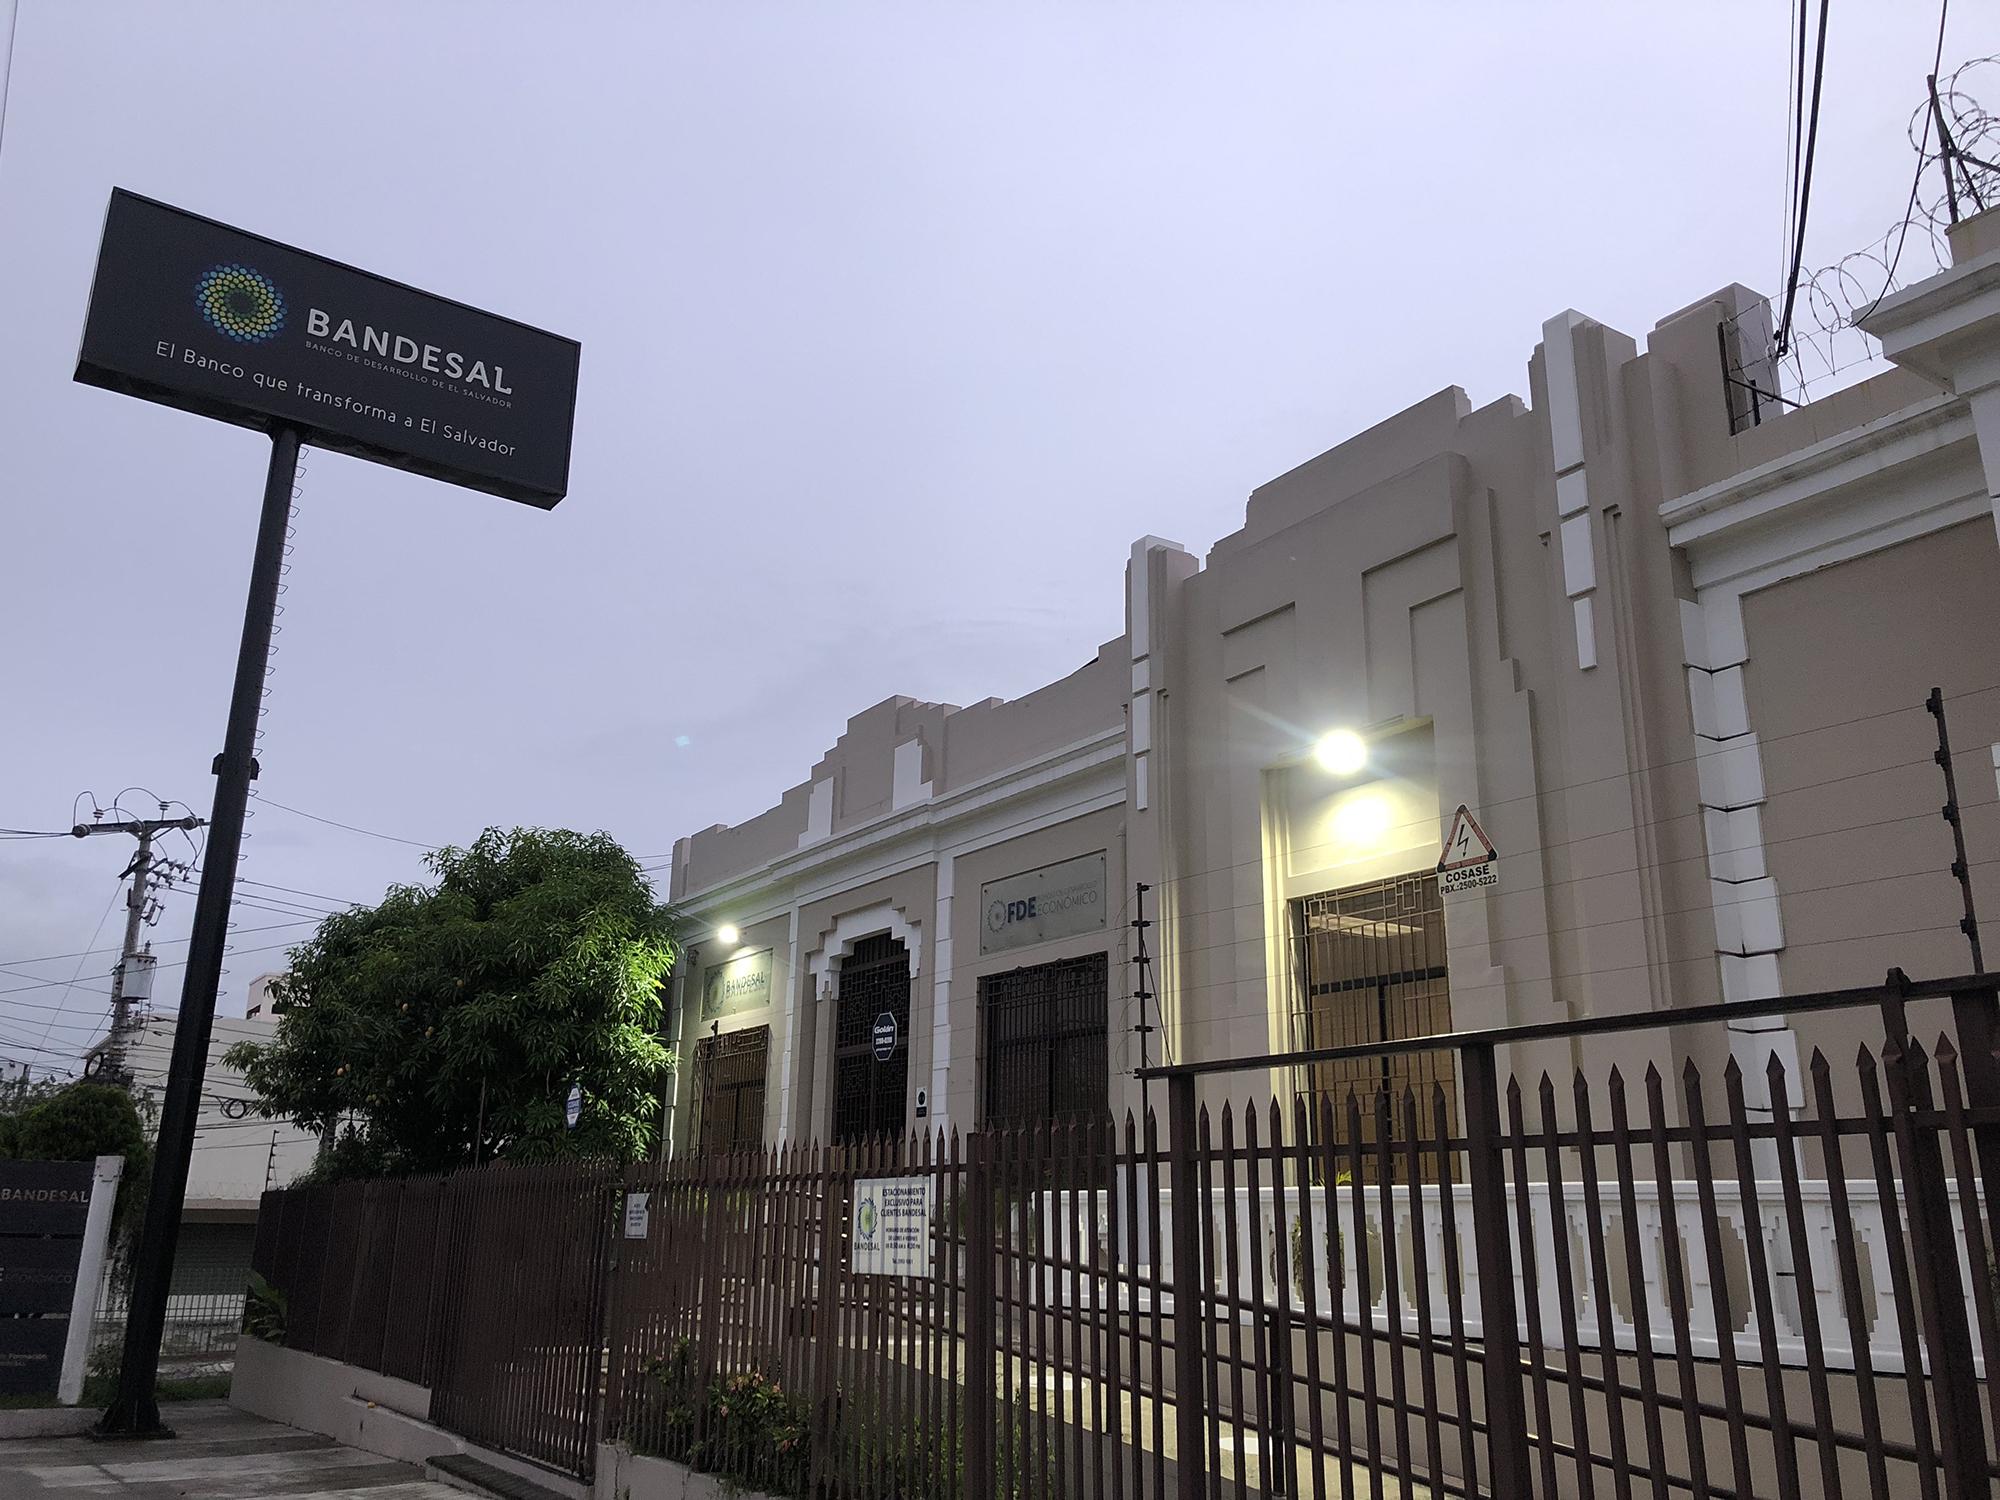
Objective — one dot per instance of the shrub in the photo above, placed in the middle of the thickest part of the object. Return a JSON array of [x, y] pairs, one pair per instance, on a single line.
[[753, 1433], [81, 1122], [264, 1311], [759, 1436]]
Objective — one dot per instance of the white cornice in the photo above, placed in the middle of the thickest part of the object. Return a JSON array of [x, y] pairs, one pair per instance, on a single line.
[[1815, 473], [928, 823], [1919, 325]]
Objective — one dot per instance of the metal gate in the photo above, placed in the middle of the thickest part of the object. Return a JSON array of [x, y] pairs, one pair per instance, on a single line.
[[1371, 968], [729, 1071], [518, 1351], [1045, 1042], [868, 1092]]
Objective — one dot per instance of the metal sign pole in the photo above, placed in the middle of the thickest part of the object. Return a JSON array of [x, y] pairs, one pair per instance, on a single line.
[[133, 1411]]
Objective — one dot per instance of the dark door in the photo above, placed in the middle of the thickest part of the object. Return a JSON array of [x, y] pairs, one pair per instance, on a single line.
[[869, 1090], [1372, 969], [1045, 1042], [729, 1089]]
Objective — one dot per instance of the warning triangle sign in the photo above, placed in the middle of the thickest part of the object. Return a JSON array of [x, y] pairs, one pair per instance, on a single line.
[[1467, 844], [1468, 858]]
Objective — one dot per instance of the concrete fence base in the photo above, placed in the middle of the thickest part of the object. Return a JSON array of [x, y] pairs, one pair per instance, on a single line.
[[375, 1413], [624, 1475]]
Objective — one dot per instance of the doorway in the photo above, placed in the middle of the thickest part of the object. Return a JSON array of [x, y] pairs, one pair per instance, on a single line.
[[872, 1007]]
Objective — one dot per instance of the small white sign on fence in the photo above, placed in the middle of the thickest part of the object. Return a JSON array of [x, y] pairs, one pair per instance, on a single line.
[[638, 1215], [892, 1226]]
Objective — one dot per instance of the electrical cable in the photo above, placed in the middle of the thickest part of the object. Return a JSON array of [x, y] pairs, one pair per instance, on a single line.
[[1795, 113], [1805, 188], [57, 957], [294, 891], [78, 972], [52, 1069], [172, 963], [259, 887], [349, 827], [50, 984]]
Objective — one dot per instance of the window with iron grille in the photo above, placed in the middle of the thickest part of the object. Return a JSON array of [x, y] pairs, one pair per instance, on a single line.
[[1045, 1031], [868, 1094], [1371, 967], [729, 1089]]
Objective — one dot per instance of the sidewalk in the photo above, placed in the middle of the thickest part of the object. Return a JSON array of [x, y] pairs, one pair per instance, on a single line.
[[221, 1454]]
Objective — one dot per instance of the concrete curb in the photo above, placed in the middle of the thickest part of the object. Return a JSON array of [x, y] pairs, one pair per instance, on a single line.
[[47, 1421]]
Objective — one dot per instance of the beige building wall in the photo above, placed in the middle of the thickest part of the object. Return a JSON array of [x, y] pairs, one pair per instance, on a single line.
[[1483, 594], [1094, 833], [914, 808], [1672, 661]]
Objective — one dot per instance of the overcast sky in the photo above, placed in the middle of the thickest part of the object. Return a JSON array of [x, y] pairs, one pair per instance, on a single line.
[[899, 324]]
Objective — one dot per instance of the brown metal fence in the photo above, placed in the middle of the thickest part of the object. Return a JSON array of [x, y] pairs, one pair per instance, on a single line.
[[357, 1267], [733, 1347], [1688, 1285], [486, 1286], [518, 1334]]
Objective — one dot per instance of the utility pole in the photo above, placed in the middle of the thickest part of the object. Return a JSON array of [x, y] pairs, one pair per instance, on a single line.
[[138, 912], [134, 1410]]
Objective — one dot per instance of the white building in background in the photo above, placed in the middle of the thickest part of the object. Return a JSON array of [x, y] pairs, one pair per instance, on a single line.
[[258, 1004], [237, 1155]]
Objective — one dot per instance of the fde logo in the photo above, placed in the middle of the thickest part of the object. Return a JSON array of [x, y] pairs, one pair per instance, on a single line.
[[240, 303], [1000, 913]]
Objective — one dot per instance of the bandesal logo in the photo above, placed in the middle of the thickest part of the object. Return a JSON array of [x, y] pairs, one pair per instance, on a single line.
[[400, 349], [240, 303]]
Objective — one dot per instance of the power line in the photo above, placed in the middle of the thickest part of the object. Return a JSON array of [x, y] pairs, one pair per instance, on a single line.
[[52, 1070], [50, 958], [50, 984], [338, 902], [307, 915], [349, 827], [295, 891], [1795, 112], [87, 1027], [78, 972], [1805, 188], [174, 963]]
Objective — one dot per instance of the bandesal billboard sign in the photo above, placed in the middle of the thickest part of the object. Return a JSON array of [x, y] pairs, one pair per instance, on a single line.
[[198, 315]]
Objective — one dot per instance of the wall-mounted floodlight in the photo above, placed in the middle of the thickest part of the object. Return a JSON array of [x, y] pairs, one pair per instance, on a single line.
[[1341, 752]]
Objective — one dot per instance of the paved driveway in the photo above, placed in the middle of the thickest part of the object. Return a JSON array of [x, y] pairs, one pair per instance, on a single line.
[[221, 1454]]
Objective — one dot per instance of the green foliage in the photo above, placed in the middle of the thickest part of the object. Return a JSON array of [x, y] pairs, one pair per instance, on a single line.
[[752, 1434], [17, 1097], [264, 1311], [532, 965], [81, 1122]]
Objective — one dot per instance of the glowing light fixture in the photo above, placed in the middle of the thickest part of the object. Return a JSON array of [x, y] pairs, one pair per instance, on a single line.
[[1363, 821], [1341, 752], [729, 934]]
